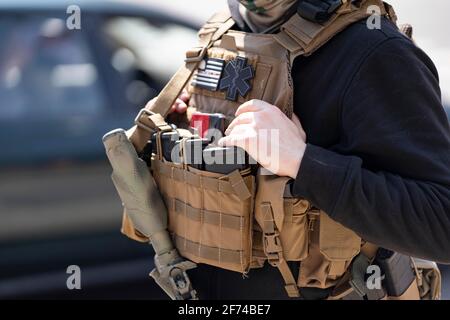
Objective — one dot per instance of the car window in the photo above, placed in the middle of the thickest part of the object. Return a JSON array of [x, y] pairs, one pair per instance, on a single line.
[[46, 70]]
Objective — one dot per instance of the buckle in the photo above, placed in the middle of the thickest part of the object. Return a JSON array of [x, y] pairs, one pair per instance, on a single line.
[[272, 248], [181, 285], [318, 11], [137, 120], [196, 57], [170, 274]]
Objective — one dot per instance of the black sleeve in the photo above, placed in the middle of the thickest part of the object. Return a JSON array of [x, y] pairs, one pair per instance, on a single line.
[[390, 181]]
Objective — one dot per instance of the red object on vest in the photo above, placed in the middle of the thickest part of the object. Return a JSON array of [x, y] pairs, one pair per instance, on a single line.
[[200, 123]]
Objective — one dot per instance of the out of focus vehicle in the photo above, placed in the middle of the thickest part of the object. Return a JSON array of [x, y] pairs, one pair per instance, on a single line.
[[60, 91]]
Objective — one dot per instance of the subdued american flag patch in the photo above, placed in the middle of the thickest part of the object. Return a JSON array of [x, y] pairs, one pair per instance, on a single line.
[[208, 74]]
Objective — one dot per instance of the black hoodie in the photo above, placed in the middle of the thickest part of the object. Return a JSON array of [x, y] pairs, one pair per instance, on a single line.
[[378, 154]]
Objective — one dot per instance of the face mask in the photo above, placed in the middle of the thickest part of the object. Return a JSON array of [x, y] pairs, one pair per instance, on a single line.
[[262, 16]]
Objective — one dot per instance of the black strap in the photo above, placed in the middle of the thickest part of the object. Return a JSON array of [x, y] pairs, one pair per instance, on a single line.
[[318, 11]]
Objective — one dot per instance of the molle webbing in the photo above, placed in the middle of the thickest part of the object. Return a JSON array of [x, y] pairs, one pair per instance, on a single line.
[[208, 217], [235, 185], [303, 37], [269, 213], [211, 217], [220, 255], [153, 119]]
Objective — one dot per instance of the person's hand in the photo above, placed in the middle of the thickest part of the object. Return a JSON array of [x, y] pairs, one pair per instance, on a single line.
[[180, 105], [272, 139]]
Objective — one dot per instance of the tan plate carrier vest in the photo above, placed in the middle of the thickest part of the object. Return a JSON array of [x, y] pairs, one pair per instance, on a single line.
[[239, 221]]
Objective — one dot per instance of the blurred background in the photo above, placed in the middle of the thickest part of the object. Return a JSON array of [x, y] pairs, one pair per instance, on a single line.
[[60, 91]]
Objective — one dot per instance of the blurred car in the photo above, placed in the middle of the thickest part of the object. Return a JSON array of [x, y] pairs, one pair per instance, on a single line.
[[61, 89]]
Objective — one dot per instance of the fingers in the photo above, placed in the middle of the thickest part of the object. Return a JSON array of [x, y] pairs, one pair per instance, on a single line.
[[180, 106], [245, 118], [232, 140], [245, 114], [226, 142], [241, 136], [249, 106], [299, 126], [296, 121], [234, 136], [241, 129], [185, 96]]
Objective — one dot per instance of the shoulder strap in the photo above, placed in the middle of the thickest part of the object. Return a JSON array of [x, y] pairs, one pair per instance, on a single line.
[[303, 37], [152, 119]]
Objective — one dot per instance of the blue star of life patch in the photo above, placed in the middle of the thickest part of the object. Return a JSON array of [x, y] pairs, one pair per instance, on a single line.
[[237, 78]]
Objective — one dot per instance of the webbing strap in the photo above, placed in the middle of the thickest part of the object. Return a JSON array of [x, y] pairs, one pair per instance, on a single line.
[[140, 134], [145, 125], [236, 185], [302, 37], [274, 250], [207, 252], [289, 280], [172, 90], [208, 217], [269, 213]]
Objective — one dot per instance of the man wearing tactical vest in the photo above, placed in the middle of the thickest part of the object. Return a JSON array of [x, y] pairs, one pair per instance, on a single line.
[[360, 180]]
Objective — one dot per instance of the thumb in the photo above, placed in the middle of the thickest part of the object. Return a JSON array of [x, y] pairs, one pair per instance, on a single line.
[[228, 141]]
